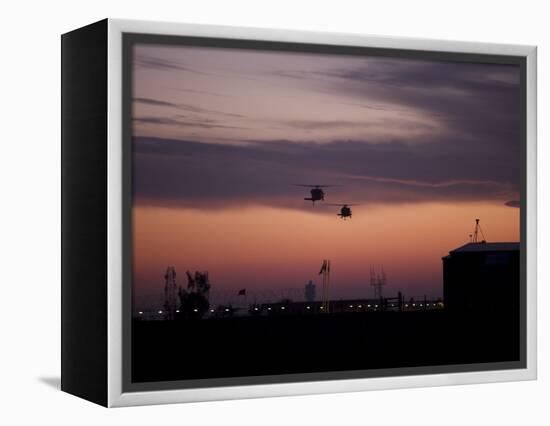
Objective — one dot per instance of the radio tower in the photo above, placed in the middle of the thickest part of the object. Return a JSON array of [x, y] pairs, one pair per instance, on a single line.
[[170, 291], [377, 281]]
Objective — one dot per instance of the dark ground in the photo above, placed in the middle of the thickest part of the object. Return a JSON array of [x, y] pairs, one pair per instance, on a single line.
[[250, 346]]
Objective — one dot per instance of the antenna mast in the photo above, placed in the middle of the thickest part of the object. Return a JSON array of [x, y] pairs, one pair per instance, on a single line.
[[478, 231]]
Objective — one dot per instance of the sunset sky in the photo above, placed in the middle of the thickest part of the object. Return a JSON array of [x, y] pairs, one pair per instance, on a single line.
[[221, 136]]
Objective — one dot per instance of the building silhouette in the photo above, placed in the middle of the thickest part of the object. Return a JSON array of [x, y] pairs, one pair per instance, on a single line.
[[310, 291], [481, 276]]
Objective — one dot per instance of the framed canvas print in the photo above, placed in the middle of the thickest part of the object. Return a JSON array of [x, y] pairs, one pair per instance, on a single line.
[[253, 212]]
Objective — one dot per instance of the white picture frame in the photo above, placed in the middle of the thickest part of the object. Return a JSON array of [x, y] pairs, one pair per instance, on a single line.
[[116, 395]]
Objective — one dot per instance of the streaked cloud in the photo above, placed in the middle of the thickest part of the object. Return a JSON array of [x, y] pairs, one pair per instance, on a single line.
[[513, 203], [193, 174]]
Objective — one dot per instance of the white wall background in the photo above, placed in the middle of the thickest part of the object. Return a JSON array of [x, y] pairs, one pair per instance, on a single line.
[[30, 199]]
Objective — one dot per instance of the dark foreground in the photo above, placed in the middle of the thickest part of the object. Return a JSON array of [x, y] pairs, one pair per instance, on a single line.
[[251, 346]]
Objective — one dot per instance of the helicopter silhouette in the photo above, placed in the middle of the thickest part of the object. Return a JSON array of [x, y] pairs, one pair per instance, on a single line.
[[317, 193], [345, 210]]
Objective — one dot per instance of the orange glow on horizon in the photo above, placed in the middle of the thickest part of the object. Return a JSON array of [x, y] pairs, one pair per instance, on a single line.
[[266, 249]]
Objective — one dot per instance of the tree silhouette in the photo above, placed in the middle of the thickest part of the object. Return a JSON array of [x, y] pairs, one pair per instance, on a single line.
[[194, 300]]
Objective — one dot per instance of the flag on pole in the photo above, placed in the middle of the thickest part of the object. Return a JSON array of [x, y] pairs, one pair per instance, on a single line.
[[328, 266], [242, 292], [323, 267]]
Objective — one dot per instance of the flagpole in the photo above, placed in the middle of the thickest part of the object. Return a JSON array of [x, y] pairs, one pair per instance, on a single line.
[[328, 285], [324, 285], [325, 290]]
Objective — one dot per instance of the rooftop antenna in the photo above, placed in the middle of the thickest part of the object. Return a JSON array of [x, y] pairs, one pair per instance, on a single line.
[[478, 231]]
